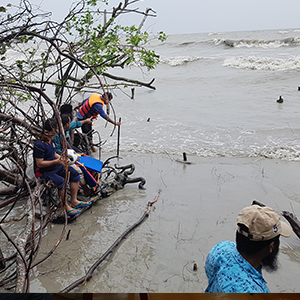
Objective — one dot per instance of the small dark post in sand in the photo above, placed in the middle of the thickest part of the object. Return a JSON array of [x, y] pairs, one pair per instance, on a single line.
[[132, 93], [184, 161]]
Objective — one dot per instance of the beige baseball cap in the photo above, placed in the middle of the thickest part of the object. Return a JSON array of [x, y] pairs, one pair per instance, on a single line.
[[263, 223]]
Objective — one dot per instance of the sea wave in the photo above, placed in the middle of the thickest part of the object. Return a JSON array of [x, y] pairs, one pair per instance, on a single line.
[[213, 146], [262, 63], [280, 152], [180, 60], [292, 41]]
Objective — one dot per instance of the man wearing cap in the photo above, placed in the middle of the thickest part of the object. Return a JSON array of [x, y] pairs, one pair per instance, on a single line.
[[236, 268]]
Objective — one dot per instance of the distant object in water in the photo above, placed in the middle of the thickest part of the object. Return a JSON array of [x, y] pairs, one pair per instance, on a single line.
[[148, 120], [298, 88], [280, 100]]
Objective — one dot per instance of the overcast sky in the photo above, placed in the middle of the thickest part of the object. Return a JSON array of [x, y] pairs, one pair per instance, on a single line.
[[195, 16]]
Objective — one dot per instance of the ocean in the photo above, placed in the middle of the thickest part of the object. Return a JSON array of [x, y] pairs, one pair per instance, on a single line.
[[216, 95]]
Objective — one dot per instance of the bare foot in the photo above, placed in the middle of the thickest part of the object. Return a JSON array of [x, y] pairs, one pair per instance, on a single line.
[[94, 149]]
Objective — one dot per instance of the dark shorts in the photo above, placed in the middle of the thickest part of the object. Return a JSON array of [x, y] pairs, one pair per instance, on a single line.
[[87, 129], [58, 176]]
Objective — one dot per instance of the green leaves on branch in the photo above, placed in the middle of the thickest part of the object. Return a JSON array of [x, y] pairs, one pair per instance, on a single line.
[[110, 45], [23, 98], [51, 53], [134, 36], [94, 2], [3, 9], [162, 36], [149, 58]]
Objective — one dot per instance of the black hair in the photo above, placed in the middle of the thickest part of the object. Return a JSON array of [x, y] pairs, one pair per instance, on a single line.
[[50, 124], [65, 119], [108, 95], [66, 109], [244, 245]]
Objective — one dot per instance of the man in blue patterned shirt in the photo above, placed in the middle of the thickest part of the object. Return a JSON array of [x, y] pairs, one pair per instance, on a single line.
[[236, 268]]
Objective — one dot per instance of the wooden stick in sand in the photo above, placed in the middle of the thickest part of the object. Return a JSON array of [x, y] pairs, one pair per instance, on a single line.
[[118, 144]]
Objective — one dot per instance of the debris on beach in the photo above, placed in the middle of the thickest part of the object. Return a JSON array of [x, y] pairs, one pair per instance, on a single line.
[[184, 161]]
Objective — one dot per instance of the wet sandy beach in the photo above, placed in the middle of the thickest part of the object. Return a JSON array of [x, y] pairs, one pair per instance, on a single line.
[[197, 208]]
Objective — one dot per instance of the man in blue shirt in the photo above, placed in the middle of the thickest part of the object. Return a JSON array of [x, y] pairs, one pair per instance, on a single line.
[[92, 107], [236, 268], [49, 165]]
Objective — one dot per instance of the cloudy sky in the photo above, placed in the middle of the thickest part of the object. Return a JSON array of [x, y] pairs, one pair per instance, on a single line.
[[193, 16]]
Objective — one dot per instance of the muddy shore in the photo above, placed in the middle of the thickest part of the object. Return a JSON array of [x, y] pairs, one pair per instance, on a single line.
[[197, 208]]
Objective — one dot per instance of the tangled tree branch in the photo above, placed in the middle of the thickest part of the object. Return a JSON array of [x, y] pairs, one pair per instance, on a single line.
[[44, 64]]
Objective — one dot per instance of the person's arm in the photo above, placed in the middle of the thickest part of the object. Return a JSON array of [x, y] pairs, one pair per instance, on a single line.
[[89, 121], [41, 163], [108, 119], [99, 108]]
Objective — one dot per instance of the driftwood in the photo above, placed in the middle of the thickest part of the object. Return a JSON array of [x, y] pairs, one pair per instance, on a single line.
[[111, 249], [294, 222], [123, 176]]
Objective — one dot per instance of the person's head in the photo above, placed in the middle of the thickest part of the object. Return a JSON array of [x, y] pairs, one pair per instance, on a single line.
[[50, 127], [259, 229], [66, 121], [66, 109], [107, 96]]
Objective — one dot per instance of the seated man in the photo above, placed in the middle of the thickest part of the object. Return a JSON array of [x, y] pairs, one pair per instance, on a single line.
[[49, 165], [236, 268], [68, 126]]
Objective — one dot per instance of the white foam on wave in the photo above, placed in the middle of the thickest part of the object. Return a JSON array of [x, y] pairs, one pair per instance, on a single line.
[[179, 60], [175, 139], [282, 153], [255, 43], [262, 63]]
